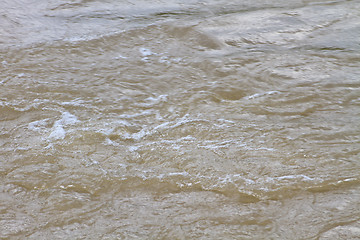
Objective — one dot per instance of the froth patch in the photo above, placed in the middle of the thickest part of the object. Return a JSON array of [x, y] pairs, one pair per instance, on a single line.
[[58, 131]]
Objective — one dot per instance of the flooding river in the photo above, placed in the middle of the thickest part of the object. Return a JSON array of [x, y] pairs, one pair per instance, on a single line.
[[134, 119]]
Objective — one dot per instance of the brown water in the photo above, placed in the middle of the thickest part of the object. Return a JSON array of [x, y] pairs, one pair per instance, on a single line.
[[179, 119]]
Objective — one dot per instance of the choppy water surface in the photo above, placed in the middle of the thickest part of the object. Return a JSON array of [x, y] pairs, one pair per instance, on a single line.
[[179, 119]]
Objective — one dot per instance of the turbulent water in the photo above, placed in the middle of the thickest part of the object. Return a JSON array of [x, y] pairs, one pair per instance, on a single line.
[[179, 119]]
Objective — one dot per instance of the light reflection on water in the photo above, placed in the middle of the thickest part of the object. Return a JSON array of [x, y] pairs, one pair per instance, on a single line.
[[216, 120]]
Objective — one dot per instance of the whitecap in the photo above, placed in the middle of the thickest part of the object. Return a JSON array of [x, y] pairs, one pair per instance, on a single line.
[[58, 131]]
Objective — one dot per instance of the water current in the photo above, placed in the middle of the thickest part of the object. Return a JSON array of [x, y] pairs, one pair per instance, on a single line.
[[134, 119]]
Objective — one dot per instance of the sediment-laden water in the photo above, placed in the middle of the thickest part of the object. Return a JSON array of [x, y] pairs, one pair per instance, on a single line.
[[179, 119]]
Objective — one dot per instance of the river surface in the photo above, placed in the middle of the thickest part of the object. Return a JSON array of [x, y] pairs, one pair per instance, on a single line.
[[179, 119]]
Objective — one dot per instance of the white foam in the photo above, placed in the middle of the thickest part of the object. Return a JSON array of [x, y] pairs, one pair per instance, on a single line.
[[58, 131], [146, 52], [37, 125], [256, 95], [147, 112], [178, 174], [109, 142], [68, 119], [133, 148], [76, 102], [288, 177], [151, 101], [145, 59], [164, 59], [120, 57]]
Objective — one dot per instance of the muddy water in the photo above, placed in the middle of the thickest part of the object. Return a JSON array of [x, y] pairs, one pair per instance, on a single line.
[[179, 119]]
